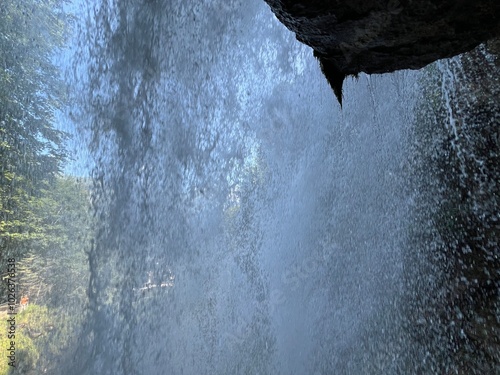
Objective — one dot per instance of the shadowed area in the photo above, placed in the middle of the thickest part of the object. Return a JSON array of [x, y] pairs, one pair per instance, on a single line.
[[349, 37]]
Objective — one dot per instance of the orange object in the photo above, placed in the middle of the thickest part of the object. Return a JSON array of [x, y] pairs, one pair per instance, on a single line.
[[24, 300]]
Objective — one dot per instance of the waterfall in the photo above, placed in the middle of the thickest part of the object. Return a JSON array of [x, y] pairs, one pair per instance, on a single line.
[[247, 224]]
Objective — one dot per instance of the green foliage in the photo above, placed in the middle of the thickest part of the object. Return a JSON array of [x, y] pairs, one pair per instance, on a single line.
[[31, 148], [55, 275], [44, 216], [57, 267], [31, 325], [26, 355], [41, 335]]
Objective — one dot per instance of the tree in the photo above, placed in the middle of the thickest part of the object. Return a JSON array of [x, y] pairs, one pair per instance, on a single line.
[[44, 216], [31, 148]]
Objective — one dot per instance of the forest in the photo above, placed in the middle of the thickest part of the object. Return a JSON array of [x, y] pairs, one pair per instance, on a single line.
[[44, 213]]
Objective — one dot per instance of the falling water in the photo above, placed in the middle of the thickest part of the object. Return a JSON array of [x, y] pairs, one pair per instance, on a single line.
[[247, 225]]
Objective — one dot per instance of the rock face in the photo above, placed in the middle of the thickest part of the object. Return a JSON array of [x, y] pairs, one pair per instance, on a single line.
[[380, 36]]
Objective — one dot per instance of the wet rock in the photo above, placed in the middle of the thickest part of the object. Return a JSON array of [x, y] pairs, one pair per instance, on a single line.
[[380, 36]]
